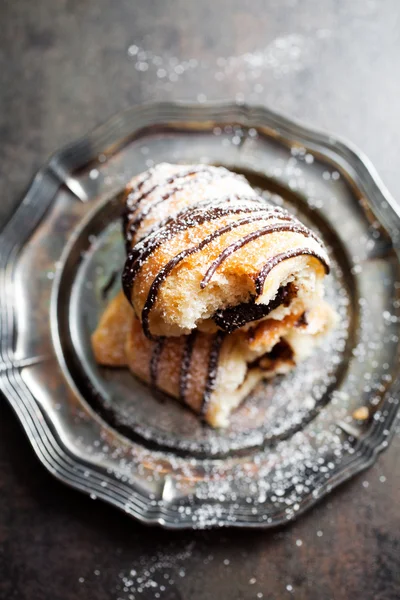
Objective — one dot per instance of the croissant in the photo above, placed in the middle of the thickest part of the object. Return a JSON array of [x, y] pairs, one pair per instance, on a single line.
[[206, 252], [221, 289], [209, 372]]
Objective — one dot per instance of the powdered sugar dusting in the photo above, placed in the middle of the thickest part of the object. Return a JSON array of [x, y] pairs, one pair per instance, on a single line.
[[154, 576], [284, 55]]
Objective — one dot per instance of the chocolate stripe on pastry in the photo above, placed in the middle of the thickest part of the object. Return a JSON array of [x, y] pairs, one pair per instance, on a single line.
[[199, 177], [164, 240], [144, 249], [134, 222], [155, 359], [246, 240], [202, 205], [274, 261], [186, 218], [212, 370], [133, 190], [185, 367], [167, 268], [159, 229], [132, 202]]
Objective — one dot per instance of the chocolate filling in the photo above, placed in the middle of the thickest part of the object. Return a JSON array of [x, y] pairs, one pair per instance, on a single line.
[[232, 318], [302, 320], [281, 351]]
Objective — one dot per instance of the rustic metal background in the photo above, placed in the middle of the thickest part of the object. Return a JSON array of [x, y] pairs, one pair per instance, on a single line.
[[349, 546]]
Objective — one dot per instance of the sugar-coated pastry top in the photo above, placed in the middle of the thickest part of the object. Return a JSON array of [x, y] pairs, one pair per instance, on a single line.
[[206, 252]]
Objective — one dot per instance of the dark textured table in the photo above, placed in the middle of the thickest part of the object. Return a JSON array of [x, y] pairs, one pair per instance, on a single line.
[[66, 66]]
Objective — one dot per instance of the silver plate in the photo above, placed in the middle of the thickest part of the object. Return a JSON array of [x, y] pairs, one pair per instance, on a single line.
[[102, 431]]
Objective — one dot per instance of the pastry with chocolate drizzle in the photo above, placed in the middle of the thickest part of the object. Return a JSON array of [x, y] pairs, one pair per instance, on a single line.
[[209, 372], [221, 288]]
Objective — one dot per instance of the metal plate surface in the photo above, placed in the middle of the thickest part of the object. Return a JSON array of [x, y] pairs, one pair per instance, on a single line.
[[104, 432]]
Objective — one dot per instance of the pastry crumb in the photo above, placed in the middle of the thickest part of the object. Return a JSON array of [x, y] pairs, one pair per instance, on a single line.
[[361, 413]]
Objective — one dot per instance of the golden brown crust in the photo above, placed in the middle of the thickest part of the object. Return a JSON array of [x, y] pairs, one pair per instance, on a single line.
[[108, 341], [139, 350], [169, 366]]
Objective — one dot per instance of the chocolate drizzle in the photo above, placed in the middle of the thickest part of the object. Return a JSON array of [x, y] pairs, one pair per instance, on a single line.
[[212, 370], [133, 225], [201, 206], [175, 223], [247, 239], [190, 218], [133, 202], [252, 207], [147, 175], [155, 359], [275, 260], [167, 268], [130, 193], [185, 364]]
